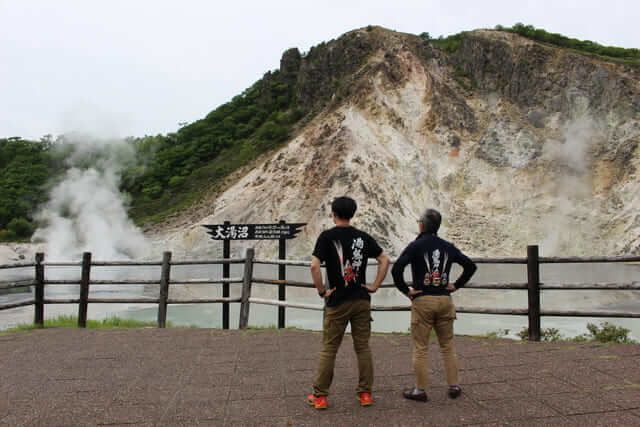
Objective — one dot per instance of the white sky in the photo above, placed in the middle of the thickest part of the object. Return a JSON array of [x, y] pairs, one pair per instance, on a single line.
[[138, 67]]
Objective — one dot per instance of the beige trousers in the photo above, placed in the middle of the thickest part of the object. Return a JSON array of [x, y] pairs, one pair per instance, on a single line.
[[427, 313]]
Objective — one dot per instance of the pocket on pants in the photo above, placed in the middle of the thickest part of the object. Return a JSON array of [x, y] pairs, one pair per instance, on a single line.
[[325, 323], [449, 312]]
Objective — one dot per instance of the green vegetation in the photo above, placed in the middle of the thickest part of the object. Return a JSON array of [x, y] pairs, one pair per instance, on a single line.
[[25, 167], [538, 34], [65, 321], [606, 333], [449, 44], [548, 334], [174, 171], [500, 333], [185, 164], [425, 36], [177, 169]]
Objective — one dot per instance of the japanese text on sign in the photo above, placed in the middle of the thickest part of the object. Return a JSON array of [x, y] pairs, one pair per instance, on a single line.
[[253, 231]]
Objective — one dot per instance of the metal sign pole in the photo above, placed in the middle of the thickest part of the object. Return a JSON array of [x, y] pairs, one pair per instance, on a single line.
[[282, 295], [226, 254]]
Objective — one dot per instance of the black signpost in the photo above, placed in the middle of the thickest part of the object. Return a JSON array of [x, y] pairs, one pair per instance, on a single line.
[[227, 232], [226, 254], [282, 274]]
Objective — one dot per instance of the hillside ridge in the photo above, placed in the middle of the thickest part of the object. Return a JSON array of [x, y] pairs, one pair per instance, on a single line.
[[417, 126], [516, 141]]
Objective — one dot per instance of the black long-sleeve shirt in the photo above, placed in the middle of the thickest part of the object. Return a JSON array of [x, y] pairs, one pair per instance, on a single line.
[[431, 259]]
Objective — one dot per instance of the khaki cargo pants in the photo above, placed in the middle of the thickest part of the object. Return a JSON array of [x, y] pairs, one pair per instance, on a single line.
[[358, 313], [433, 312]]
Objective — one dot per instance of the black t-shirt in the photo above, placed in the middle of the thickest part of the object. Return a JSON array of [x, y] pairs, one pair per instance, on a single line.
[[345, 251], [431, 258]]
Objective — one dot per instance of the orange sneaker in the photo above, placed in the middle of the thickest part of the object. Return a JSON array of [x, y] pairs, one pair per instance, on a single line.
[[365, 398], [318, 402]]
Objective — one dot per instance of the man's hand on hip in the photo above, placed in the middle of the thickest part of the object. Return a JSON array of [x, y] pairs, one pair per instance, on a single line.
[[370, 288], [413, 293], [327, 293]]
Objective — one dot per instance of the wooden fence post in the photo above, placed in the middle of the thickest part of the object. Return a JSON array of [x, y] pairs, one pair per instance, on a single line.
[[164, 289], [533, 285], [246, 288], [84, 290], [39, 302]]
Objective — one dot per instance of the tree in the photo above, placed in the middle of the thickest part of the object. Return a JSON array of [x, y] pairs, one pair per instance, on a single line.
[[20, 227]]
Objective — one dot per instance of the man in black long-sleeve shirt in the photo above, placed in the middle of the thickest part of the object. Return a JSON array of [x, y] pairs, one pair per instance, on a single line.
[[431, 259]]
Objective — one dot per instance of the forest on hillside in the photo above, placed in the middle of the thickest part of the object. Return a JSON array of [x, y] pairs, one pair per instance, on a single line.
[[609, 53], [176, 169]]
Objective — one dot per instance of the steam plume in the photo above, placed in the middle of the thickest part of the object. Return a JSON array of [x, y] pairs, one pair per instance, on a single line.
[[569, 223], [86, 210]]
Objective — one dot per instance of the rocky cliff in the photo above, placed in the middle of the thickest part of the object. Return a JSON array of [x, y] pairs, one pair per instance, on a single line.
[[514, 141]]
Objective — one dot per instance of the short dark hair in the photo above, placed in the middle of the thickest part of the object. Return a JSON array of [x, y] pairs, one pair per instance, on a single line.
[[431, 220], [344, 207]]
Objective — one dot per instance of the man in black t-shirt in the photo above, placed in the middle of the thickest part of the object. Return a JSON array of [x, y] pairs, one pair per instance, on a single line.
[[345, 250], [431, 259]]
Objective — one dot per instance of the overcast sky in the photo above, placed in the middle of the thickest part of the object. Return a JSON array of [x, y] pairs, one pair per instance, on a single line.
[[139, 67]]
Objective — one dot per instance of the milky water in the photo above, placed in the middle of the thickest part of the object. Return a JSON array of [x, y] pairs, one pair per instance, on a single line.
[[210, 315]]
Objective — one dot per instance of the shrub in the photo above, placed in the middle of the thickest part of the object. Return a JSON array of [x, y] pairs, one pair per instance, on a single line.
[[500, 333], [20, 227], [608, 332], [548, 334], [176, 181], [25, 167], [449, 44], [6, 236], [541, 35]]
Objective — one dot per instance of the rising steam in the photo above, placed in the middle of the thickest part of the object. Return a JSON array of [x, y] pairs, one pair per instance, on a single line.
[[86, 210], [569, 225]]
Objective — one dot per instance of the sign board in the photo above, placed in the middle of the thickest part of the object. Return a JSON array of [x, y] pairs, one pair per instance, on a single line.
[[226, 232], [253, 231]]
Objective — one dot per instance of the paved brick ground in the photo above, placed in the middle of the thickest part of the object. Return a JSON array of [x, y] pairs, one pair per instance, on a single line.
[[70, 377]]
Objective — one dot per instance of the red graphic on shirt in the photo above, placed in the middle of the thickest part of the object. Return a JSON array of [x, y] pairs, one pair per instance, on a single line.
[[349, 274], [436, 278], [348, 269]]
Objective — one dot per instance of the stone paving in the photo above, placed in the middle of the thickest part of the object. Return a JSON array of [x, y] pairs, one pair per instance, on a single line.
[[174, 377]]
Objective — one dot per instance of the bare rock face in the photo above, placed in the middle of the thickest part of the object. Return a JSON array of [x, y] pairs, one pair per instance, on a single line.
[[515, 143]]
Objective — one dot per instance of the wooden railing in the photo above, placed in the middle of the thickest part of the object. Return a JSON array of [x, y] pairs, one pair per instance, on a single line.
[[533, 287]]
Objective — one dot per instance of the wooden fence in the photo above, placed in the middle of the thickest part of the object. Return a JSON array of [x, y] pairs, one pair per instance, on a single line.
[[533, 286]]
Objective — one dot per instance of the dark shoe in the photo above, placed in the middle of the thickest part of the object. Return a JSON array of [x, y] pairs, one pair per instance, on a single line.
[[414, 394], [454, 391]]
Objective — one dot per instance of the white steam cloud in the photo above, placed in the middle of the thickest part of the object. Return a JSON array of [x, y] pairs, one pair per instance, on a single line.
[[86, 210], [569, 225]]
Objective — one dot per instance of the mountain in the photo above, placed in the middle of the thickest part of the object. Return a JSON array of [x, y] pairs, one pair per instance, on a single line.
[[515, 141]]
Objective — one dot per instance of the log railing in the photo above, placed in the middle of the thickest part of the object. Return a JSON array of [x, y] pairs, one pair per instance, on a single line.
[[85, 282], [533, 287]]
